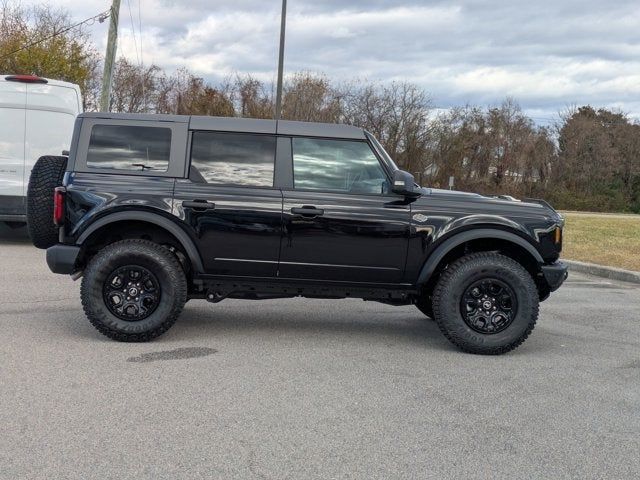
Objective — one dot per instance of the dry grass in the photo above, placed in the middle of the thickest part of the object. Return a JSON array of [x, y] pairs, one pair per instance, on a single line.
[[612, 240]]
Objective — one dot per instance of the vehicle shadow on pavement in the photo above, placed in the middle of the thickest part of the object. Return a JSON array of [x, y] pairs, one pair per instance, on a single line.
[[13, 236], [406, 328], [200, 321]]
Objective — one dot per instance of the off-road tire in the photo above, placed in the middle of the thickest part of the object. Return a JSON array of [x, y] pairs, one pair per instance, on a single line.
[[46, 175], [155, 258], [458, 277], [425, 305]]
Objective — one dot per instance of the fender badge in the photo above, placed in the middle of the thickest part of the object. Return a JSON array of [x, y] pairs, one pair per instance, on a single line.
[[418, 217]]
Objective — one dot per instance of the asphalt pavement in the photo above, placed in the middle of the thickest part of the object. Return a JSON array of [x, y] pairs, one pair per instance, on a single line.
[[312, 389]]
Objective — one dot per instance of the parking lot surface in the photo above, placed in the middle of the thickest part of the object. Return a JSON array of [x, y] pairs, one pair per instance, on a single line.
[[296, 389]]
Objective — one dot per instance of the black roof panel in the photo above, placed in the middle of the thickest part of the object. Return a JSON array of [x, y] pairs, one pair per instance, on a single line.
[[232, 124], [310, 129], [245, 125]]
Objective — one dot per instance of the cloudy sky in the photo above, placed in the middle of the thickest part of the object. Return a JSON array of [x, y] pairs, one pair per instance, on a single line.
[[547, 54]]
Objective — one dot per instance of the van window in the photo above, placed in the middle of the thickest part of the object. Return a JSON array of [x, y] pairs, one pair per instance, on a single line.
[[337, 165], [128, 147], [233, 159]]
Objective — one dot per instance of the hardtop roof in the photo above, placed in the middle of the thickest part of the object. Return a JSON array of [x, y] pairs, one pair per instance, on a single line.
[[244, 125]]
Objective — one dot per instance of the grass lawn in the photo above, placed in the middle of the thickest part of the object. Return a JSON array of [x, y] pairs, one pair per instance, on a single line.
[[612, 240]]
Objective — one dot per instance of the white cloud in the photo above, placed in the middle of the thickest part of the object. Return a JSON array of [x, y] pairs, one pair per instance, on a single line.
[[547, 54]]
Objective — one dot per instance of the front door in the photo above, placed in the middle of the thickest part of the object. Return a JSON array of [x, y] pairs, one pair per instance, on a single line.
[[230, 204], [340, 222]]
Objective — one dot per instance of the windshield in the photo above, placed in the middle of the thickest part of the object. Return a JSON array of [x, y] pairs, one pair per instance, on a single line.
[[381, 151]]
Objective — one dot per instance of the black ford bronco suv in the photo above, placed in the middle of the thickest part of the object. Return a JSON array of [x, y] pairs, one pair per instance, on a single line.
[[154, 210]]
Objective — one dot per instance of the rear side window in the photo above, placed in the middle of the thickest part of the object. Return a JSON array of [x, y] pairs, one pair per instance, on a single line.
[[128, 147], [337, 165], [233, 159]]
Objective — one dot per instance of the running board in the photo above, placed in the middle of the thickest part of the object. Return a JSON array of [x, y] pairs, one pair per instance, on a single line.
[[216, 289]]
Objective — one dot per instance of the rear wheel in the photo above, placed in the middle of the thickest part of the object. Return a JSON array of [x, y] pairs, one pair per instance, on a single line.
[[46, 175], [133, 290], [486, 303]]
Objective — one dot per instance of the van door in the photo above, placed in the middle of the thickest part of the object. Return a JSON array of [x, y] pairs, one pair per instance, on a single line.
[[12, 135], [50, 115]]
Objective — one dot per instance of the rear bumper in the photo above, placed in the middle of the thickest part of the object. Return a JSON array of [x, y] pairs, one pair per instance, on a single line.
[[62, 258], [13, 208], [555, 274]]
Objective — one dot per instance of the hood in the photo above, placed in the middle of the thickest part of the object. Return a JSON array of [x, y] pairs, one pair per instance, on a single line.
[[491, 204]]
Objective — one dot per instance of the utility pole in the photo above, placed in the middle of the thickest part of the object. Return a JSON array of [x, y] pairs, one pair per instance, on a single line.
[[110, 57], [283, 21]]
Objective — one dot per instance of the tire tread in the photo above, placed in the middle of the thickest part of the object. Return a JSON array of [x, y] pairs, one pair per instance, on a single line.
[[47, 174], [90, 294], [443, 283]]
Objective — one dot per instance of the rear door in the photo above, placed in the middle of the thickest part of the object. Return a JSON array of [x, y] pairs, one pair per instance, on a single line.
[[341, 224], [12, 117], [230, 203]]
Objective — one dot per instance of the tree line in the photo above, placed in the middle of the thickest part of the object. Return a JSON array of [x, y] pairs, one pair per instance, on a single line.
[[588, 159]]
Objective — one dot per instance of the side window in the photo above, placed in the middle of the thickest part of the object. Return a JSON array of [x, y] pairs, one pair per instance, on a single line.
[[233, 158], [128, 147], [340, 165]]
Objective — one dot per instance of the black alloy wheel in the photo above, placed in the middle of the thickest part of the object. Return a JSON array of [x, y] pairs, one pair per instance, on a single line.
[[131, 293], [488, 306]]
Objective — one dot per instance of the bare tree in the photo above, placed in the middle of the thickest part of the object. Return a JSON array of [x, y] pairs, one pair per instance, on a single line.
[[185, 94], [397, 114], [252, 98], [310, 98], [134, 87]]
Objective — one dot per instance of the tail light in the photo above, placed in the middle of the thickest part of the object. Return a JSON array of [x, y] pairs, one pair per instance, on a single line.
[[58, 205]]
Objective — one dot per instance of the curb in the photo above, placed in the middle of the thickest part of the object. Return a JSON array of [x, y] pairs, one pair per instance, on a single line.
[[602, 271]]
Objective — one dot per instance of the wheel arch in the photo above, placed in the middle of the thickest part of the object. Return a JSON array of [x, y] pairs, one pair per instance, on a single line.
[[156, 221], [481, 239]]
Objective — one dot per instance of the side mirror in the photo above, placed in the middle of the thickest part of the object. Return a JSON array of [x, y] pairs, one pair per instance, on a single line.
[[404, 184]]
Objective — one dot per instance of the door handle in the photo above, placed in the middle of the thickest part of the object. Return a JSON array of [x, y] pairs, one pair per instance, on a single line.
[[198, 204], [307, 211]]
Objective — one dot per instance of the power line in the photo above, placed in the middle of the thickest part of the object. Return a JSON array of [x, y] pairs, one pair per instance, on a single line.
[[133, 31], [140, 29], [144, 94], [101, 17]]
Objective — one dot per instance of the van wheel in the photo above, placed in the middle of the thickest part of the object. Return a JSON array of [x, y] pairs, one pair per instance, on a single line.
[[133, 290], [486, 303], [46, 175]]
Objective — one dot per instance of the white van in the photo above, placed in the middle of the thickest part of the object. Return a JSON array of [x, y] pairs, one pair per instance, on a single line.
[[36, 118]]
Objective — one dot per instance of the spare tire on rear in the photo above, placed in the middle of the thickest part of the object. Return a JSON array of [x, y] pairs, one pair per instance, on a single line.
[[46, 175]]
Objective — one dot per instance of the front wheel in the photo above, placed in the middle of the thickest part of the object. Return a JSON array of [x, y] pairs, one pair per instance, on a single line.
[[133, 290], [486, 303], [424, 304]]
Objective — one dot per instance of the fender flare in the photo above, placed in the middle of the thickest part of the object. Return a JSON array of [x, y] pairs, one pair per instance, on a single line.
[[160, 221], [458, 239]]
